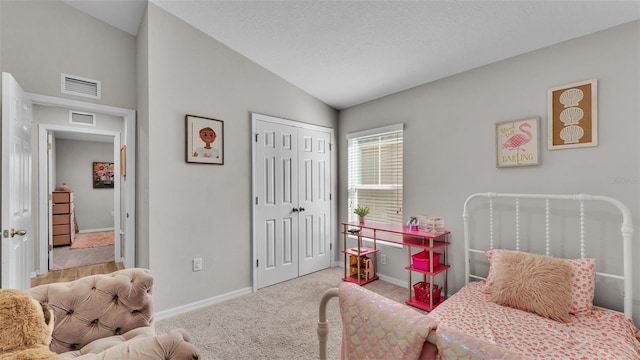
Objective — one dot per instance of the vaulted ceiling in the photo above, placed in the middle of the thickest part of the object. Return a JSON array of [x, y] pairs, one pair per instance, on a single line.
[[349, 52]]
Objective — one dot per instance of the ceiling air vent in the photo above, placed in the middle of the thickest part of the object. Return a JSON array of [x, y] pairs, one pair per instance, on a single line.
[[80, 118], [79, 86]]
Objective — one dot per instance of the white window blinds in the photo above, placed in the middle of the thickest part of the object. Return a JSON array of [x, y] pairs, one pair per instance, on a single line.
[[375, 173]]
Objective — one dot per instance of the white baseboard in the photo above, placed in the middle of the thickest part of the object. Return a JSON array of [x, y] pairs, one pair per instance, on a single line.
[[165, 314], [392, 280], [95, 230]]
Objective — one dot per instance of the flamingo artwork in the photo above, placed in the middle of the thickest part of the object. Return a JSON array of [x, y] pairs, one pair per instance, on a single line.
[[518, 140]]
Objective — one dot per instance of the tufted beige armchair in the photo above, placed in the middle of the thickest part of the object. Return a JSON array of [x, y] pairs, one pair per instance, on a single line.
[[110, 317]]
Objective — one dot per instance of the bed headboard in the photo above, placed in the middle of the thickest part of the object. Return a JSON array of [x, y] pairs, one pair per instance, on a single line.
[[547, 209]]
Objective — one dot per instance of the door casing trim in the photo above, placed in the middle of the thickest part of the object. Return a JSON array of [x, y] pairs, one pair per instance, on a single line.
[[43, 190], [128, 138]]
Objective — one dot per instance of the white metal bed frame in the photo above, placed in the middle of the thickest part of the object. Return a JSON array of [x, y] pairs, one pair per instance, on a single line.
[[626, 230]]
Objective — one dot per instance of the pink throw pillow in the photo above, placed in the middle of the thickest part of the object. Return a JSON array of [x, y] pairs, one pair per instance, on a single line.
[[582, 281], [583, 285], [534, 283]]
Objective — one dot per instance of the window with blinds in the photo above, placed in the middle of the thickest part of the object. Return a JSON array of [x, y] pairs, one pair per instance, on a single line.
[[375, 173]]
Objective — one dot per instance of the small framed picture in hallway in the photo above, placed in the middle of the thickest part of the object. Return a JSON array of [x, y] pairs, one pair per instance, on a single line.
[[518, 142], [103, 175], [205, 140]]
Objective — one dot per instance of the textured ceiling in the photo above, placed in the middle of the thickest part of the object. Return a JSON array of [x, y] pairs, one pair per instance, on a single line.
[[349, 52]]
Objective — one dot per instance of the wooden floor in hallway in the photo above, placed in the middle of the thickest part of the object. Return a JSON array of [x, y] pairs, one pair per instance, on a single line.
[[65, 275]]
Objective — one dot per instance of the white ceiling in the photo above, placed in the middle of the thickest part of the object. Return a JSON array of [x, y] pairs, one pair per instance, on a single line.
[[349, 52]]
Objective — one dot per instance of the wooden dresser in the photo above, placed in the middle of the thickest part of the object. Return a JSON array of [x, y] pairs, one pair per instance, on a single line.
[[62, 215]]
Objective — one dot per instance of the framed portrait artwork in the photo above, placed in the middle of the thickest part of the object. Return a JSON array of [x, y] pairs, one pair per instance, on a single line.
[[103, 175], [573, 115], [518, 142], [205, 140]]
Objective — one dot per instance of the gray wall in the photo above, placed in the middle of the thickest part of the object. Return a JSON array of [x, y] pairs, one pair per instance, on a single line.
[[1, 41], [198, 210], [41, 39], [74, 166], [450, 142]]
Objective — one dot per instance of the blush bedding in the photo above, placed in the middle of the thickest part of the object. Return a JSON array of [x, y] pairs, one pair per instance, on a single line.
[[469, 325]]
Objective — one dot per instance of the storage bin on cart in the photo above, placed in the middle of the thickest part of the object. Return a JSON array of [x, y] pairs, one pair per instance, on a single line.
[[421, 261], [421, 290]]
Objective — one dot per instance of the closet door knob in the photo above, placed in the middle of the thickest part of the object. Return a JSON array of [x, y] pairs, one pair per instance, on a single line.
[[15, 232], [301, 209], [295, 210]]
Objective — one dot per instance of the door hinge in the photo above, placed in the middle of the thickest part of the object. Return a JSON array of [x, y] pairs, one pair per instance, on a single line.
[[50, 248], [330, 146], [330, 246], [49, 196], [48, 146], [256, 137], [329, 196], [256, 200], [257, 262]]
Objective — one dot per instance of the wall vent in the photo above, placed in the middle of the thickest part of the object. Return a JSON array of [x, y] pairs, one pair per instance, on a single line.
[[81, 118], [79, 86]]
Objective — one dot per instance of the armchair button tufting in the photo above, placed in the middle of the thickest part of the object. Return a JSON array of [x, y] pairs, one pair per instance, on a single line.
[[94, 322], [118, 331], [70, 312], [75, 346]]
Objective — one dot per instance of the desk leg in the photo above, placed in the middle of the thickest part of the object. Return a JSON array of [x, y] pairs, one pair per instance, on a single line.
[[344, 247], [409, 271]]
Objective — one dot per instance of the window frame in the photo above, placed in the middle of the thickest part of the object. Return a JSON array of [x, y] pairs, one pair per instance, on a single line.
[[380, 131]]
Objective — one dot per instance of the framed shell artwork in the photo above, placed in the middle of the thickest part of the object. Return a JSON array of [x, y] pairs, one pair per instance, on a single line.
[[573, 115]]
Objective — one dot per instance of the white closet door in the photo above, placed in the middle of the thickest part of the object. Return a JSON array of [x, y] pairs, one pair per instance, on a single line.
[[276, 187], [314, 174], [292, 210]]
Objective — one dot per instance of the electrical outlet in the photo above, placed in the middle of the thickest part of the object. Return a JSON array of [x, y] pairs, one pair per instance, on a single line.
[[197, 264], [383, 259]]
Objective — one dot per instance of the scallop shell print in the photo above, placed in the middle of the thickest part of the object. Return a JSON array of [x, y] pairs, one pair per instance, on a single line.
[[571, 116], [571, 134], [571, 97]]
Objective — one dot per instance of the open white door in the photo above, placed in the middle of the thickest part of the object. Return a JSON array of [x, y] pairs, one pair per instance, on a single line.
[[16, 186]]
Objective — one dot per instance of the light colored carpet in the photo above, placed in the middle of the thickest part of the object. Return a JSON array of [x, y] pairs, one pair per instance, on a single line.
[[66, 258], [276, 323], [93, 239]]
